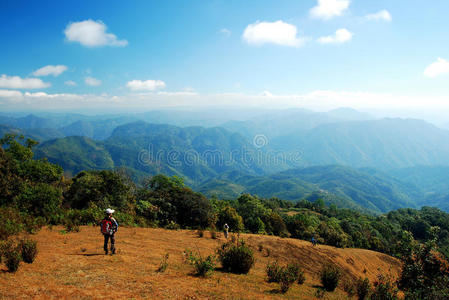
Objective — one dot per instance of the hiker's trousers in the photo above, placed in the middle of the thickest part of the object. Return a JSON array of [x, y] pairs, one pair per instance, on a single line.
[[108, 237]]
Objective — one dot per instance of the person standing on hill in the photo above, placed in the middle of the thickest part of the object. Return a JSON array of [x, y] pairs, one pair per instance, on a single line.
[[109, 227], [226, 230]]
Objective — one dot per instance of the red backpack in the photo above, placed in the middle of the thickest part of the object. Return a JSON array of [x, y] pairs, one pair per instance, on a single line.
[[106, 226]]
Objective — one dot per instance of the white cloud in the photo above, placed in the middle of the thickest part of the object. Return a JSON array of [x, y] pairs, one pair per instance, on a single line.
[[441, 66], [226, 32], [10, 94], [92, 81], [341, 36], [50, 70], [15, 82], [278, 32], [70, 83], [147, 85], [91, 33], [327, 9], [381, 15]]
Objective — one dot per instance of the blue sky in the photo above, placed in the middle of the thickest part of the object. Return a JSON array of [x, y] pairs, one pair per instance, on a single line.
[[148, 54]]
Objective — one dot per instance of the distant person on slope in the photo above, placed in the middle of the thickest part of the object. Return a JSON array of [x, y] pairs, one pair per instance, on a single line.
[[226, 230], [313, 241], [109, 227]]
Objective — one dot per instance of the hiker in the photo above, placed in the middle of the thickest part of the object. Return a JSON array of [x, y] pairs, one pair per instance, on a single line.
[[313, 241], [226, 229], [109, 227]]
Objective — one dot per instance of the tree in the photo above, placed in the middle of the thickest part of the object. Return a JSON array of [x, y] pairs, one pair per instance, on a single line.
[[228, 215], [103, 188]]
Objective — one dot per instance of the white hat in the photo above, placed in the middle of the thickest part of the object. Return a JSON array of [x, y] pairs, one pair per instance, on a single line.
[[110, 211]]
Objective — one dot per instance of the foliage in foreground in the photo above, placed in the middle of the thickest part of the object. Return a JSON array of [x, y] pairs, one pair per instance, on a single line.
[[284, 275], [28, 250], [203, 267], [236, 257], [330, 276]]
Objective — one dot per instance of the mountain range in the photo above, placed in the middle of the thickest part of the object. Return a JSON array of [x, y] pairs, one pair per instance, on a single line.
[[343, 156]]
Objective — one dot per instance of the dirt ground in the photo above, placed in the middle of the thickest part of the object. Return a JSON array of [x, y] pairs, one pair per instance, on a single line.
[[73, 266]]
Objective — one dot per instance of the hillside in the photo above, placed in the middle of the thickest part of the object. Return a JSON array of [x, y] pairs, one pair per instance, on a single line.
[[73, 266], [194, 153], [75, 154], [343, 186]]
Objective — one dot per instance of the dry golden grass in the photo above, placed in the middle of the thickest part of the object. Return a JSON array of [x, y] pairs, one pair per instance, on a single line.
[[73, 266]]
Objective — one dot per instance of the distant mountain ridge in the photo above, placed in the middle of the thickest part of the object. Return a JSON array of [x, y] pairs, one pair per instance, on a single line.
[[344, 186], [383, 144], [194, 153]]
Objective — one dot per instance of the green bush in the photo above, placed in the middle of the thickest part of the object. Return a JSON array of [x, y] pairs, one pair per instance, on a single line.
[[28, 249], [236, 257], [301, 277], [289, 275], [285, 276], [349, 288], [11, 222], [203, 266], [330, 276], [71, 226], [12, 256], [273, 272], [385, 289], [363, 288]]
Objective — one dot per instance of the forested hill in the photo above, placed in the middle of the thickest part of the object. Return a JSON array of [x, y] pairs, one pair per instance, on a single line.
[[343, 186], [193, 153]]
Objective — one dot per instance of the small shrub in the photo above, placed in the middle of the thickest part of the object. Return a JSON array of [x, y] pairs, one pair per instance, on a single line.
[[164, 264], [285, 276], [203, 267], [330, 276], [301, 277], [200, 233], [12, 256], [214, 235], [236, 258], [349, 288], [273, 272], [260, 247], [71, 226], [384, 289], [320, 293], [172, 226], [233, 239], [363, 287], [268, 252], [289, 275], [28, 250]]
